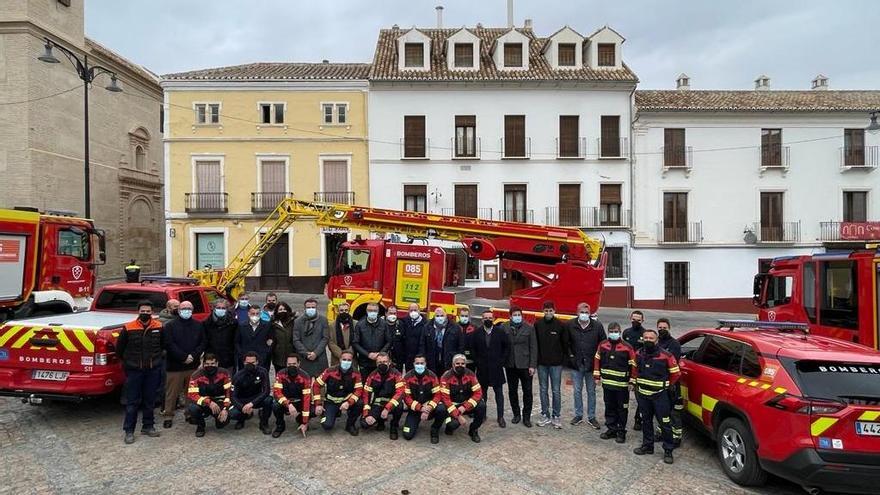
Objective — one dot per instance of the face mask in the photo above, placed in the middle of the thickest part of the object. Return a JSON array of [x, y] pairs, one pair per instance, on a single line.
[[459, 370], [440, 320], [254, 319], [244, 303], [420, 368], [664, 333], [649, 345], [383, 368], [186, 313], [516, 319], [282, 315], [292, 370], [143, 318], [548, 317], [372, 315], [219, 312], [250, 367], [265, 316], [345, 365], [210, 370], [311, 312], [414, 315], [344, 318], [391, 318], [464, 320], [487, 323], [583, 317], [637, 324], [614, 336]]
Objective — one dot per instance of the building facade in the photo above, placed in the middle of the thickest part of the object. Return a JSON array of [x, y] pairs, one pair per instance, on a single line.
[[727, 180], [240, 139], [500, 123], [41, 133]]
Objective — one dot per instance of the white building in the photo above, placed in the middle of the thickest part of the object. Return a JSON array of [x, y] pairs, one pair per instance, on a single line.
[[726, 180], [501, 123]]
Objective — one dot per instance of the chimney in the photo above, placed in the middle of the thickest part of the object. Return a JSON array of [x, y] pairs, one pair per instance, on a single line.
[[509, 13], [820, 82], [439, 10], [325, 61], [527, 24], [683, 81], [762, 83]]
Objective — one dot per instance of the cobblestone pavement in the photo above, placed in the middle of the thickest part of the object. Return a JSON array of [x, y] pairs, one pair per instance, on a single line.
[[65, 448]]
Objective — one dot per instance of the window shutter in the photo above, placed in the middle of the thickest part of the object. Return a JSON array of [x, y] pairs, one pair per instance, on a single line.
[[568, 135], [464, 55], [466, 200], [673, 148], [414, 136], [606, 54], [514, 135], [414, 55], [609, 194], [513, 54], [570, 205], [566, 52], [610, 135]]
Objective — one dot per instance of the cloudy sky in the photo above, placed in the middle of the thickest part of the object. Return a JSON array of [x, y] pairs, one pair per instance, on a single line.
[[719, 44]]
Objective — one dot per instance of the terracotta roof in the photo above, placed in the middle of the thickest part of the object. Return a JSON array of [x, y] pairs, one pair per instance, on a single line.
[[274, 71], [757, 101], [385, 61], [118, 59]]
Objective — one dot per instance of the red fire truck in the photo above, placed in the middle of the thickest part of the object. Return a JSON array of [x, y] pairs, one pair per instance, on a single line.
[[559, 263], [47, 262], [835, 293]]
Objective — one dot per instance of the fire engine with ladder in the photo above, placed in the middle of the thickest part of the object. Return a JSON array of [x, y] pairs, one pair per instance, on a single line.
[[559, 263]]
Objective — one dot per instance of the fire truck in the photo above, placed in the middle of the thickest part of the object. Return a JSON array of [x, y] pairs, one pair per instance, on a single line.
[[836, 294], [47, 262], [562, 264]]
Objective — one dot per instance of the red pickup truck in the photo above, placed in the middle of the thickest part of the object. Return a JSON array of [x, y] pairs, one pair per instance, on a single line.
[[69, 357]]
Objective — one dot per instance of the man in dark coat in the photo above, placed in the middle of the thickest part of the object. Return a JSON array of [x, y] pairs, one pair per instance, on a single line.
[[441, 341], [256, 336], [220, 329], [490, 347], [184, 343], [410, 340], [370, 337], [584, 336], [310, 334]]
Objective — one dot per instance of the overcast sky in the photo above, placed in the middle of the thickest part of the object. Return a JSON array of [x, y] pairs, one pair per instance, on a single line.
[[719, 44]]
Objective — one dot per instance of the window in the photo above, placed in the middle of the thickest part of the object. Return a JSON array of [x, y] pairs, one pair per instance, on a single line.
[[341, 113], [161, 119], [610, 204], [128, 299], [208, 186], [513, 55], [566, 53], [778, 290], [675, 215], [414, 55], [334, 113], [272, 113], [335, 187], [73, 243], [676, 282], [464, 55], [355, 260], [771, 147], [327, 109], [207, 113], [605, 55], [465, 136], [569, 205], [415, 198], [472, 269], [690, 347], [851, 382], [840, 299], [273, 183], [809, 290], [140, 158], [514, 136], [854, 147], [195, 297], [614, 268], [750, 366], [673, 148], [569, 129], [721, 354], [209, 250], [466, 200], [771, 217], [610, 139], [515, 203], [855, 206], [414, 136]]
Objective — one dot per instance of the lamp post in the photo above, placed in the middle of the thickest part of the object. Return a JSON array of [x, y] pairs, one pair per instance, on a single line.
[[87, 73], [873, 126]]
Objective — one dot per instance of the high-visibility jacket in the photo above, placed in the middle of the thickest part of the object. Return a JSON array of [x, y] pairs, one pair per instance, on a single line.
[[204, 388], [384, 389], [421, 390], [656, 371], [615, 364], [461, 390], [293, 389], [339, 386]]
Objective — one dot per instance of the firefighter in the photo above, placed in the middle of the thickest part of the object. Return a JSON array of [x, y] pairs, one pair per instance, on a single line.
[[210, 394], [383, 395], [250, 391], [139, 347], [132, 272], [423, 399], [670, 344], [462, 397], [614, 368], [292, 394], [656, 371], [343, 391], [633, 337]]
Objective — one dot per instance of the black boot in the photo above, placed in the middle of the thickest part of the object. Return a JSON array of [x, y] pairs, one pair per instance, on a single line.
[[239, 425], [621, 437], [392, 433], [200, 431], [667, 457], [475, 436], [527, 421], [643, 450], [435, 436], [607, 435], [352, 430], [279, 429]]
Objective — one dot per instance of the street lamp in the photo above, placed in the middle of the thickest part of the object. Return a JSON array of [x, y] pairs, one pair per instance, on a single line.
[[873, 127], [87, 73]]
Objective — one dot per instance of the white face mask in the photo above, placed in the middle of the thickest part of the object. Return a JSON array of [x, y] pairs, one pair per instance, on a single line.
[[414, 315], [372, 315], [254, 319], [391, 318]]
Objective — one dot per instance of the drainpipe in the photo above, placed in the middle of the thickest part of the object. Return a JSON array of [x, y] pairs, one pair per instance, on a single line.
[[632, 208]]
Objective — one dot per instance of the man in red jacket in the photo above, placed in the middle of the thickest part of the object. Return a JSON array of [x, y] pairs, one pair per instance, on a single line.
[[422, 396], [292, 392], [343, 389], [614, 367], [383, 396], [210, 394], [462, 396]]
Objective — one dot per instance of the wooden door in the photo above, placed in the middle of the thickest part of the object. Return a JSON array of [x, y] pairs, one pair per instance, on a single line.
[[515, 135], [275, 266], [570, 205], [675, 228], [466, 200], [771, 216]]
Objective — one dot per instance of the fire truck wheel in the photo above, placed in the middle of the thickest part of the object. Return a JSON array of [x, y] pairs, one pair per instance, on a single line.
[[737, 453]]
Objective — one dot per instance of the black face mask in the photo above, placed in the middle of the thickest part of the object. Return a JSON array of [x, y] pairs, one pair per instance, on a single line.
[[383, 368], [487, 324], [344, 317], [637, 325], [210, 370], [459, 370], [292, 370], [664, 334], [283, 316], [250, 367], [143, 318], [649, 345]]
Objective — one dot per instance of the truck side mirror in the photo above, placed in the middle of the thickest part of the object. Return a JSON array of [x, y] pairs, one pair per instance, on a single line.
[[758, 288], [101, 253]]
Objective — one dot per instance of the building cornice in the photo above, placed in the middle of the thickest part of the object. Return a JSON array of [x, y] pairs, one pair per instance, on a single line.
[[277, 85]]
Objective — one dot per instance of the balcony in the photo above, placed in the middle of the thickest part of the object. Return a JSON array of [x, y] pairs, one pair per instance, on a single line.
[[849, 231], [677, 158], [859, 158], [613, 149], [687, 233], [338, 197], [773, 158], [465, 149], [206, 202], [516, 150], [571, 149], [415, 149], [786, 232], [523, 216], [586, 217], [264, 202], [480, 213]]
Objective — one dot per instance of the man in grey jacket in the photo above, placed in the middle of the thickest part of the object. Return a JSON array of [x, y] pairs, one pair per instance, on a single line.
[[310, 335], [370, 337], [521, 364]]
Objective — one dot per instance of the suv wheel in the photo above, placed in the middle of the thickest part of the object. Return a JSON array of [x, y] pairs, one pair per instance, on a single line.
[[737, 453]]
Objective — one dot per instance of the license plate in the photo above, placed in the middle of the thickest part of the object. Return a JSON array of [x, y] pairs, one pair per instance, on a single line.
[[869, 429], [55, 376]]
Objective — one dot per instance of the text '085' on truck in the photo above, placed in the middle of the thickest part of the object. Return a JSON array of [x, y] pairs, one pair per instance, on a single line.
[[555, 263], [47, 262]]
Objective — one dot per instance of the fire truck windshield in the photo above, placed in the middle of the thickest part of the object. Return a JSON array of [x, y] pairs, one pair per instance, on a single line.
[[352, 261]]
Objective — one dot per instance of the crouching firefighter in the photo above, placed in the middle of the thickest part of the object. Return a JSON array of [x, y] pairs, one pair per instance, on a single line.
[[292, 392], [343, 392], [421, 393], [462, 396], [656, 372], [210, 394], [383, 396]]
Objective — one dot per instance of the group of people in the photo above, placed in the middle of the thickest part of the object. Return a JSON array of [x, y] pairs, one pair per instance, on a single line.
[[438, 369]]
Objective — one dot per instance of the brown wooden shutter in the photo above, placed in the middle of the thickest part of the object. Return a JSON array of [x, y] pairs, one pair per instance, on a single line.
[[513, 54], [568, 135], [465, 121], [854, 147], [771, 147], [414, 136], [515, 135], [673, 148], [566, 53], [570, 205], [675, 226], [464, 55], [609, 194], [610, 135], [771, 216], [605, 54], [466, 200], [414, 55]]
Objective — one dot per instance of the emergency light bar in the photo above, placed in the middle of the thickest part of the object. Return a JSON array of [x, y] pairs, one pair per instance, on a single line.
[[782, 326]]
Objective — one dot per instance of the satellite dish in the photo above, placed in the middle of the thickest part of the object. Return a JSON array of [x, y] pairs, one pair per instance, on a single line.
[[750, 238]]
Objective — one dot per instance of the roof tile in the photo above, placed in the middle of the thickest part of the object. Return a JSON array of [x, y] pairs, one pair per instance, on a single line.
[[273, 71], [757, 101]]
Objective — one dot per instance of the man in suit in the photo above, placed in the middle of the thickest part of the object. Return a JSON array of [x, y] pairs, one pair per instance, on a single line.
[[410, 339], [489, 349], [441, 341], [255, 336], [310, 333], [340, 335], [522, 363]]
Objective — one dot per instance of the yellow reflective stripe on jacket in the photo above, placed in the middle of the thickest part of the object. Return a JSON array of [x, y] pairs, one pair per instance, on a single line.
[[611, 372], [614, 383]]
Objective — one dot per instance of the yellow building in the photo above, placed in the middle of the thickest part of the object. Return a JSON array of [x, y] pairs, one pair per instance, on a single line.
[[238, 140]]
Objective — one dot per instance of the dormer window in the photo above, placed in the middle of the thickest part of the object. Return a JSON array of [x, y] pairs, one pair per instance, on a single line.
[[414, 55], [566, 53], [513, 55], [464, 55], [606, 55]]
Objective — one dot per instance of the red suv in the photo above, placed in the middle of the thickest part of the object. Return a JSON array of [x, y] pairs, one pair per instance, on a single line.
[[125, 297], [778, 400]]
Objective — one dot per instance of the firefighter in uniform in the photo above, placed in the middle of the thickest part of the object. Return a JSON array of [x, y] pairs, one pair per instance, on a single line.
[[210, 394], [656, 372], [132, 273], [670, 344], [343, 393], [383, 396], [462, 396], [250, 391], [614, 368], [421, 394], [292, 394]]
